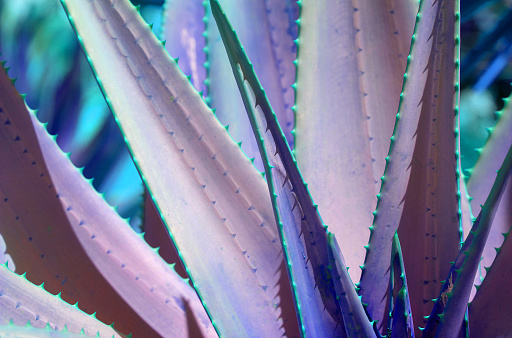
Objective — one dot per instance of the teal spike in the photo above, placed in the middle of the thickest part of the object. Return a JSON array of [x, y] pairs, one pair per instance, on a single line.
[[151, 26], [226, 127], [163, 42], [176, 60], [13, 81], [93, 315], [59, 295], [137, 8], [189, 77]]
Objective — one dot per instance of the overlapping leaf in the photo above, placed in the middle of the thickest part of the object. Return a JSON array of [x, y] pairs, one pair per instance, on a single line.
[[22, 302], [61, 232], [350, 64], [326, 301], [212, 200], [450, 307], [419, 194]]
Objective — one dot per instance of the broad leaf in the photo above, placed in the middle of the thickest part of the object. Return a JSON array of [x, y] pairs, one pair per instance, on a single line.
[[246, 15], [211, 199], [23, 302], [481, 180], [450, 307], [351, 60], [182, 30], [489, 311], [420, 191], [61, 232], [325, 297]]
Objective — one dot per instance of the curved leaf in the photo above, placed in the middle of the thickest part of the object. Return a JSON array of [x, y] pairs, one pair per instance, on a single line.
[[481, 180], [61, 231], [182, 31], [212, 200], [419, 194], [259, 46], [351, 60], [315, 264], [450, 307], [22, 302]]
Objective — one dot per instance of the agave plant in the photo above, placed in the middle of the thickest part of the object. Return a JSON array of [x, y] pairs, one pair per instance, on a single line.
[[259, 257]]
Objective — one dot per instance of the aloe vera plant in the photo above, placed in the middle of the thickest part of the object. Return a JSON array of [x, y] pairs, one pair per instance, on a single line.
[[259, 258]]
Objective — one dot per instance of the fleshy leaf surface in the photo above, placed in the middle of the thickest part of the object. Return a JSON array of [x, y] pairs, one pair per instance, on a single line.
[[182, 30], [490, 309], [402, 321], [212, 200], [23, 302], [246, 15], [480, 183], [75, 242], [450, 308], [351, 60], [420, 189], [315, 264]]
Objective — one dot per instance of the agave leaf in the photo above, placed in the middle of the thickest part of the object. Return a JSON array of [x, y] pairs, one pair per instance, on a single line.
[[211, 199], [480, 183], [75, 242], [4, 256], [355, 319], [347, 88], [315, 265], [23, 302], [420, 185], [15, 331], [259, 46], [282, 16], [157, 236], [492, 303], [182, 30], [450, 307], [402, 321]]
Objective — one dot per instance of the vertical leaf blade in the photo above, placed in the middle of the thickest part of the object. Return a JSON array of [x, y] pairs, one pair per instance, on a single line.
[[419, 194], [346, 99]]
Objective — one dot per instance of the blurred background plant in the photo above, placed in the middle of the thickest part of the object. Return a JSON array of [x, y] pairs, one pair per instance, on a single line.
[[37, 41]]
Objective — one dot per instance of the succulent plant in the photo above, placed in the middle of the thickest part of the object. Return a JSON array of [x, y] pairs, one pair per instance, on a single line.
[[258, 257]]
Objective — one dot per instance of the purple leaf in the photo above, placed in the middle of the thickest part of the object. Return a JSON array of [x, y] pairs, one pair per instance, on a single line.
[[182, 31], [490, 309], [350, 67], [420, 189], [448, 313], [222, 88], [480, 183], [61, 232], [402, 321], [315, 264], [23, 302], [212, 200]]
